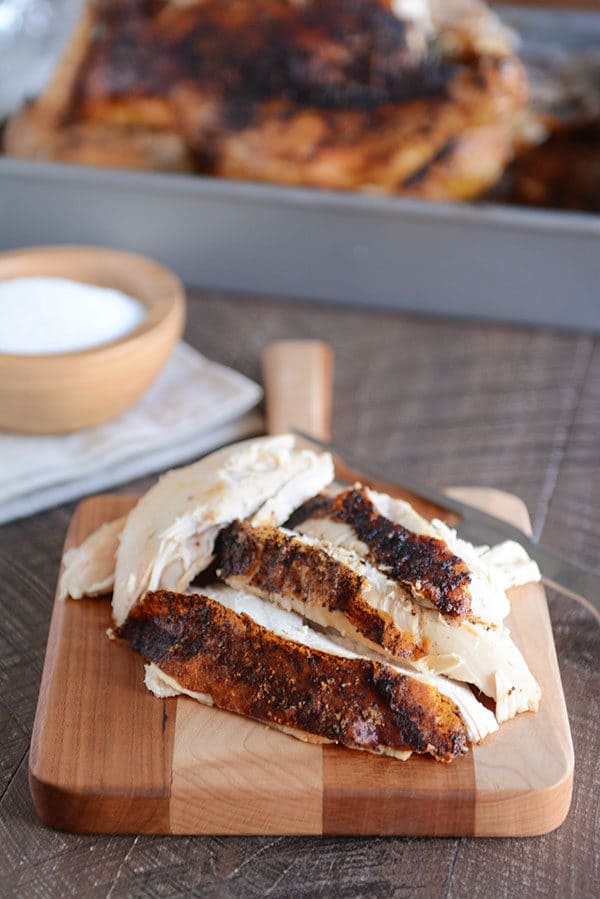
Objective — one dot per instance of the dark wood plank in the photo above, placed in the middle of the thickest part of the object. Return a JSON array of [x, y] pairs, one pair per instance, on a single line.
[[573, 506], [38, 861], [417, 798], [556, 863], [400, 394], [448, 402]]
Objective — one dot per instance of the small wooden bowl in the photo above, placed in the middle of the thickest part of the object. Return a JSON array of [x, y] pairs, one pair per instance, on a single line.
[[57, 393]]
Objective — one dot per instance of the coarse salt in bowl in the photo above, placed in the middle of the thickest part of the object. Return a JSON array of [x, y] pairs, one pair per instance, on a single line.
[[96, 328], [56, 315]]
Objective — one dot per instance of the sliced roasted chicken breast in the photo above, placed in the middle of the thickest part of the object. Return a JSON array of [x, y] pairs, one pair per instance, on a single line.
[[427, 557], [169, 536], [247, 656], [336, 588], [438, 568]]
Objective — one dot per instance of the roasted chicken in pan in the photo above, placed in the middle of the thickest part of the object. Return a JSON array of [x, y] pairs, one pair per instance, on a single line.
[[421, 99], [358, 622]]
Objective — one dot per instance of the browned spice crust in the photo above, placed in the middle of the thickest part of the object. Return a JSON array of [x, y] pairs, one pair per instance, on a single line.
[[409, 558], [280, 564], [337, 94], [328, 54], [247, 669]]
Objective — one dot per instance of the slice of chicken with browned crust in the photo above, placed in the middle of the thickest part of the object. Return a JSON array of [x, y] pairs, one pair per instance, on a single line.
[[284, 675], [427, 557], [479, 720], [421, 562], [335, 588], [302, 574]]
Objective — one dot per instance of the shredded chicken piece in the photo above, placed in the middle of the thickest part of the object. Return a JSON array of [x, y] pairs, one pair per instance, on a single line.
[[90, 567]]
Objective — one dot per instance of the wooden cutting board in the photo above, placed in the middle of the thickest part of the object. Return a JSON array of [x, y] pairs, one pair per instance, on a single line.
[[107, 756]]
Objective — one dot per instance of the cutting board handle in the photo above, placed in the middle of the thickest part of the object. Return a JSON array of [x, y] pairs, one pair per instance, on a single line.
[[298, 380]]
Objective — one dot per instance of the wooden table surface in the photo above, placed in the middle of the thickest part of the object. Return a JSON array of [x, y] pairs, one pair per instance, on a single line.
[[447, 402]]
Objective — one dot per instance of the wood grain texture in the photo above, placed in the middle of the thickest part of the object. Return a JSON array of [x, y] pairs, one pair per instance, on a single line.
[[108, 756], [233, 775], [545, 746], [97, 753], [446, 401], [298, 378]]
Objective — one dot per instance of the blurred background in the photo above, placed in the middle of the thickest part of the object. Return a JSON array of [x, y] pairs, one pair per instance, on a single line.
[[288, 149]]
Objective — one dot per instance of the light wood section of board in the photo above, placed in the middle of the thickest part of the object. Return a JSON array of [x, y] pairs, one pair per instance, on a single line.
[[101, 755], [234, 775], [107, 756], [298, 379], [544, 739]]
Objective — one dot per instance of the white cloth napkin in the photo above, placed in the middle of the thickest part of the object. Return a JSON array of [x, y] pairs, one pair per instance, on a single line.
[[194, 406]]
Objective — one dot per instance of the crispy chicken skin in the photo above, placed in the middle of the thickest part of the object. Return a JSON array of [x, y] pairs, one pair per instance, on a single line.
[[439, 569], [447, 143], [412, 559], [246, 668], [335, 588], [283, 566], [340, 94]]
